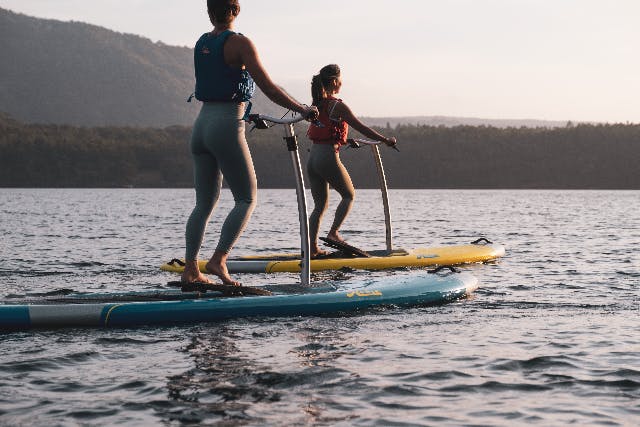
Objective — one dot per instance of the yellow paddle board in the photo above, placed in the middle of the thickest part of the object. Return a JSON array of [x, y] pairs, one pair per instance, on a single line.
[[379, 260]]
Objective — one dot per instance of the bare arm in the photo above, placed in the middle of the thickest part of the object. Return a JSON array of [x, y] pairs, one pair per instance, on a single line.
[[248, 56], [341, 110]]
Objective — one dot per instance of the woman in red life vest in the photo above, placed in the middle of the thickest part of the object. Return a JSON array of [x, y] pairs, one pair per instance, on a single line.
[[324, 167], [226, 65]]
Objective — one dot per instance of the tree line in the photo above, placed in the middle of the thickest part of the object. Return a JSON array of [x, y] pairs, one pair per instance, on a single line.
[[586, 156]]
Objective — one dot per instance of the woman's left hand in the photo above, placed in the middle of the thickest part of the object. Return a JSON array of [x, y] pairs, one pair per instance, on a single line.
[[391, 142]]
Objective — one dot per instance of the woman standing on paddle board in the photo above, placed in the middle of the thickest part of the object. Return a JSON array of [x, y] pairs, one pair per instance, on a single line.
[[226, 66], [324, 167]]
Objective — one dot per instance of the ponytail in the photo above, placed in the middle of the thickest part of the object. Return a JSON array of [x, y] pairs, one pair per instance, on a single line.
[[317, 90], [320, 81]]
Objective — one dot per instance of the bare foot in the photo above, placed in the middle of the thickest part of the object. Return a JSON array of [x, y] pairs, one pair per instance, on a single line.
[[334, 235], [221, 271], [218, 265], [192, 274], [318, 253]]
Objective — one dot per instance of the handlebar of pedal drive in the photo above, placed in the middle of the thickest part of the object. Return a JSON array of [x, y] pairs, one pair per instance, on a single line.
[[355, 143]]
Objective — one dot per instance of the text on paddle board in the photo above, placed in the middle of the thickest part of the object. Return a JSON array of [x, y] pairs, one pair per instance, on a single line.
[[364, 294]]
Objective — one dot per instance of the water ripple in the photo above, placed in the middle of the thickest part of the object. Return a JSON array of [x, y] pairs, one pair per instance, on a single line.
[[550, 338]]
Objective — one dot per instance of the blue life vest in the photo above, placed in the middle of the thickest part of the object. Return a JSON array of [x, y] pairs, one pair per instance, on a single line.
[[215, 80]]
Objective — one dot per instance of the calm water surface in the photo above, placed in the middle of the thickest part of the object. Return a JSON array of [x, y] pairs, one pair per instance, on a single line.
[[551, 337]]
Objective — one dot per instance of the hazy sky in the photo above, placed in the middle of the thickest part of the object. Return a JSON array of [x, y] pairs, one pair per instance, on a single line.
[[538, 59]]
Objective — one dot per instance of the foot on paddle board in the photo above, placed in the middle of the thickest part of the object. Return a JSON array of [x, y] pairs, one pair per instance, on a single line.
[[226, 290]]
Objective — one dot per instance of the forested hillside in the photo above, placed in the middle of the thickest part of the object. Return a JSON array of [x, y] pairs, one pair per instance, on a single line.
[[584, 156], [81, 74]]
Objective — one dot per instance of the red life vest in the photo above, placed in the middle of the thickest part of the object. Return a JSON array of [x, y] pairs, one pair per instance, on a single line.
[[334, 131]]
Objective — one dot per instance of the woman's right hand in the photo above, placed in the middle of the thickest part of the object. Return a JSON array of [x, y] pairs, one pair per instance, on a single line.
[[310, 113]]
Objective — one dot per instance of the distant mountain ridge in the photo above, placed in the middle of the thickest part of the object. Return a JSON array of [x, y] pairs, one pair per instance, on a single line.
[[84, 75], [462, 121]]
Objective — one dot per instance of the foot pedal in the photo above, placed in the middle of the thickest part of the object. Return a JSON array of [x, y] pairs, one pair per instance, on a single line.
[[348, 249]]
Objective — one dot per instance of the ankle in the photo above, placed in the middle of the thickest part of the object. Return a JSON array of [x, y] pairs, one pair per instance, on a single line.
[[191, 266], [334, 235]]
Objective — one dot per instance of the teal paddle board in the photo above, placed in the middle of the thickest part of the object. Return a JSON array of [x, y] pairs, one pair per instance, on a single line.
[[174, 307]]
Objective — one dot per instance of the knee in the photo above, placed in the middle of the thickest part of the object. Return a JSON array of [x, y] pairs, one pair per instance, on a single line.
[[320, 206], [349, 196], [249, 203], [205, 205]]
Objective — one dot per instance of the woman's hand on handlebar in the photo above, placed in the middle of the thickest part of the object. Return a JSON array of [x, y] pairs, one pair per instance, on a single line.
[[310, 113], [391, 142]]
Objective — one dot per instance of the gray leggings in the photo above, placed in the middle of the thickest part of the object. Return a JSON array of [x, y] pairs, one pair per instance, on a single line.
[[219, 148], [324, 168]]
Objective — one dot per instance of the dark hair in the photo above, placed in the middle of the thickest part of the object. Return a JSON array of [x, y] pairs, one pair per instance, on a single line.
[[320, 81], [223, 11]]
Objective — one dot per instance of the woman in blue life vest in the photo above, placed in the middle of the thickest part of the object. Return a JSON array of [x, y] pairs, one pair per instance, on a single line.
[[226, 66], [324, 167]]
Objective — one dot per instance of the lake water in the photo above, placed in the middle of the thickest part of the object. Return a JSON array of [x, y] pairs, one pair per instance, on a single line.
[[551, 338]]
